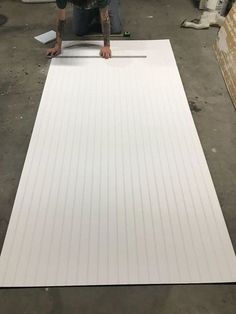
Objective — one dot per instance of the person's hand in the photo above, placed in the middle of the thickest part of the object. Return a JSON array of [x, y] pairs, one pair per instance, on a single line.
[[105, 52], [53, 52]]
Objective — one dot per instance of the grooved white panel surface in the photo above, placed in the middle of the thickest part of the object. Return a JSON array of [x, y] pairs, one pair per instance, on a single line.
[[115, 188]]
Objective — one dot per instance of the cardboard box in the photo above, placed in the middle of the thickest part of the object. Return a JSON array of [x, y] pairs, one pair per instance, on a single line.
[[225, 49]]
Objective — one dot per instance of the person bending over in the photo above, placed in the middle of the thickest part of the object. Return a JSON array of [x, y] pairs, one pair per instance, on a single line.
[[86, 13]]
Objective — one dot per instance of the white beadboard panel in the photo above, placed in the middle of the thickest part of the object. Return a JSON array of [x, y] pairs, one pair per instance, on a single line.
[[115, 187]]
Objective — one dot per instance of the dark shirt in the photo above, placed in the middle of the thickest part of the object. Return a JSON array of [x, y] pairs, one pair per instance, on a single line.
[[89, 4]]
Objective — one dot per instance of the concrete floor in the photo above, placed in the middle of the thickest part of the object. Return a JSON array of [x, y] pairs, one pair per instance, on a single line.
[[22, 76]]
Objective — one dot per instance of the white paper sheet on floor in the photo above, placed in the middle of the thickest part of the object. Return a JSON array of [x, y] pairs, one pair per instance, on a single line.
[[115, 188]]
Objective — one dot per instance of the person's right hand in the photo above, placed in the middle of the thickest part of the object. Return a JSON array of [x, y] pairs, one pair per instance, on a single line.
[[53, 52]]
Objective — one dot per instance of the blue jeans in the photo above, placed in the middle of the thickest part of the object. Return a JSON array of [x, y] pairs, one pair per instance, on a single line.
[[83, 19]]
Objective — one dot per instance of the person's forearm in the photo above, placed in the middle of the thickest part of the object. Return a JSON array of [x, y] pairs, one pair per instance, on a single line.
[[106, 26], [61, 20]]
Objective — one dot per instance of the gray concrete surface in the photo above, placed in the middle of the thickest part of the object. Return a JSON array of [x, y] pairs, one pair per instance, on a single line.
[[23, 69]]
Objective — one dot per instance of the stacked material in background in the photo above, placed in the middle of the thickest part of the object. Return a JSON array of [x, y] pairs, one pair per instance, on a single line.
[[219, 6], [225, 49]]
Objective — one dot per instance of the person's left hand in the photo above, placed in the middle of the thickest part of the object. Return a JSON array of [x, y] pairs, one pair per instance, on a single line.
[[105, 52]]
